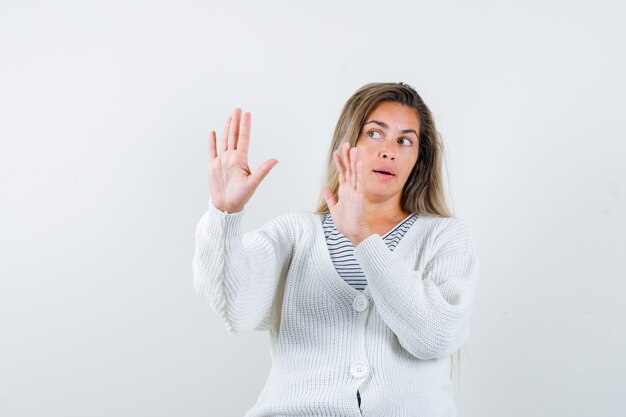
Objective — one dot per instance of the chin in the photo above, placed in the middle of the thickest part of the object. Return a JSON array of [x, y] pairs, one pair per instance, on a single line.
[[380, 195]]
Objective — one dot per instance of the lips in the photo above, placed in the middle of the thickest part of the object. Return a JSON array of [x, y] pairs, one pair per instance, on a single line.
[[382, 171], [383, 176]]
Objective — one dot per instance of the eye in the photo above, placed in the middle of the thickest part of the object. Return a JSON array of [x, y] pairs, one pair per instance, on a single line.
[[409, 141], [372, 132]]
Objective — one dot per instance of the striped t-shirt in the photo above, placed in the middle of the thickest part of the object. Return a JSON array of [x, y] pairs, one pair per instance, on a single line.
[[342, 251]]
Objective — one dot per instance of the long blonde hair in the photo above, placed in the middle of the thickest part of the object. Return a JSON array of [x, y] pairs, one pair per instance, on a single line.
[[423, 193]]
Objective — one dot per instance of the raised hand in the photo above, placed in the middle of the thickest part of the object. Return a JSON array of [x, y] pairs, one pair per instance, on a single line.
[[349, 212], [231, 184]]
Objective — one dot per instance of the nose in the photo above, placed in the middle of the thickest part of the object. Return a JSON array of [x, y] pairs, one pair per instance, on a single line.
[[386, 153]]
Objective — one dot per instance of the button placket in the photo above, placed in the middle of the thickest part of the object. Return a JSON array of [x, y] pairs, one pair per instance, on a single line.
[[360, 303], [360, 367]]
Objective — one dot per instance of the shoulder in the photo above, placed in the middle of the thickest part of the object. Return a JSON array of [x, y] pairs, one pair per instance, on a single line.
[[297, 224], [449, 235]]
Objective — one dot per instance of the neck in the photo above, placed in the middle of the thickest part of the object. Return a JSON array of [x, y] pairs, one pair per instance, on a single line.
[[388, 210]]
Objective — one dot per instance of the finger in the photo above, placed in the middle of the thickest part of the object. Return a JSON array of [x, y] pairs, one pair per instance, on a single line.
[[225, 134], [353, 158], [359, 176], [243, 141], [262, 170], [345, 148], [212, 145], [329, 197], [340, 167], [234, 128]]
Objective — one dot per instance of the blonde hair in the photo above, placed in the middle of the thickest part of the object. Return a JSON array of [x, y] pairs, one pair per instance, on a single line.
[[423, 192]]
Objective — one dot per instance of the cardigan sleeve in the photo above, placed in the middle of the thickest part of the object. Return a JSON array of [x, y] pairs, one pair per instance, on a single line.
[[429, 311], [241, 275]]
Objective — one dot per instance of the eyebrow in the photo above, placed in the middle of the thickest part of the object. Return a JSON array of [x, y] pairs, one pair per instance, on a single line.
[[386, 126]]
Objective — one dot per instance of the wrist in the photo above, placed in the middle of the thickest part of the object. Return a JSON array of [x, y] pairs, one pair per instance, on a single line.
[[361, 237], [231, 210], [227, 209]]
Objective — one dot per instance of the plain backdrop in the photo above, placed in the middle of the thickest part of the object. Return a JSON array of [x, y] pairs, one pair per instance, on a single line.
[[105, 109]]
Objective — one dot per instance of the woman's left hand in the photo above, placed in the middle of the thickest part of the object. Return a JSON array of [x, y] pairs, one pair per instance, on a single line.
[[349, 212]]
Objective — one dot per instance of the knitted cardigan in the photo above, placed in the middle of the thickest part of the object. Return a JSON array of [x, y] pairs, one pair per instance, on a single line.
[[392, 341]]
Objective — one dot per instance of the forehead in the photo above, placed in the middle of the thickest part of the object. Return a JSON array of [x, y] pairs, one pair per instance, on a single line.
[[395, 114]]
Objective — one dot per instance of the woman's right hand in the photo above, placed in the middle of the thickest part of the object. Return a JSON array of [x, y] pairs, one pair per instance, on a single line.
[[231, 184]]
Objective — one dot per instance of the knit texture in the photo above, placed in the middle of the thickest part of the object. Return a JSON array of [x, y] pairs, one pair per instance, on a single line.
[[392, 342], [342, 252]]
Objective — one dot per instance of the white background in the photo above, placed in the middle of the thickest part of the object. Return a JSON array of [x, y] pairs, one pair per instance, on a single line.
[[105, 110]]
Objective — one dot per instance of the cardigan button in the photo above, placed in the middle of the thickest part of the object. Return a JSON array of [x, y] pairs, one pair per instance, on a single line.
[[358, 369], [360, 303]]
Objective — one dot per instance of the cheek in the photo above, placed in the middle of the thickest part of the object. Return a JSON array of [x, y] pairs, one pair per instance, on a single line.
[[365, 153], [408, 172]]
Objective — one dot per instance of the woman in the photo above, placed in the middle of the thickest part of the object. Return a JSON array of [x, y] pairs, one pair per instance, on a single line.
[[366, 298]]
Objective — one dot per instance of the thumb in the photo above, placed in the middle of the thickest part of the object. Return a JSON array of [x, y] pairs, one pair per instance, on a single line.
[[329, 197], [262, 170]]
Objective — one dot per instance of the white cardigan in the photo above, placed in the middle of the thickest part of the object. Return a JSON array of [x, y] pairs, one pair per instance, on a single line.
[[392, 341]]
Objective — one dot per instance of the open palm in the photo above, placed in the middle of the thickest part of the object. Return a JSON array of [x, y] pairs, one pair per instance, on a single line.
[[348, 212], [231, 183]]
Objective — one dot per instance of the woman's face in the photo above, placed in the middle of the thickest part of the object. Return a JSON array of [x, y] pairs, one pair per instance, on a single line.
[[388, 141]]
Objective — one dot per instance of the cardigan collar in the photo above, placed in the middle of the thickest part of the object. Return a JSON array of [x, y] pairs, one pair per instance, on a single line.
[[335, 282]]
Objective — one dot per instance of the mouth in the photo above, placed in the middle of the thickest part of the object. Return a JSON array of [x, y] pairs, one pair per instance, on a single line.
[[383, 174]]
